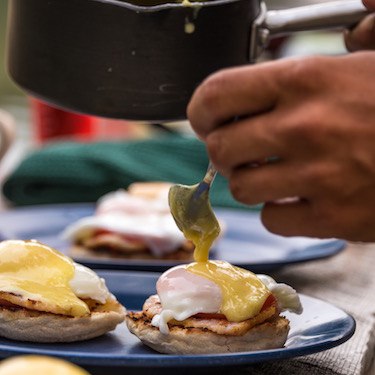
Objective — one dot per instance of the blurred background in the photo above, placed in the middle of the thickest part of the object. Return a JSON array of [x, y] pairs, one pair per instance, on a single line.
[[7, 89], [15, 102], [35, 122], [303, 44], [306, 43]]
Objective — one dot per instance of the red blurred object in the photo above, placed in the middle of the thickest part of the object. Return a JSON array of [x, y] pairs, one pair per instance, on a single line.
[[52, 123]]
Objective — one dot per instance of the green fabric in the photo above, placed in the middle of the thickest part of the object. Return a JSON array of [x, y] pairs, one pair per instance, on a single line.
[[71, 172]]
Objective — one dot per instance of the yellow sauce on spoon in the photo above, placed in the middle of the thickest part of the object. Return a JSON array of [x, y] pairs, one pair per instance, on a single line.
[[194, 216]]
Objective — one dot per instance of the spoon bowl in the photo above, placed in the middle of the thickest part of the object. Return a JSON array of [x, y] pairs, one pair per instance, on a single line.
[[191, 209]]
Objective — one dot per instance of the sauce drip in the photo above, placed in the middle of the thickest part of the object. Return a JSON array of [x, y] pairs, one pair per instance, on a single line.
[[197, 221]]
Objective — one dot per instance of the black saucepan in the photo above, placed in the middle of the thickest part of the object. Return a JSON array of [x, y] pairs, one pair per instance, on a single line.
[[114, 59]]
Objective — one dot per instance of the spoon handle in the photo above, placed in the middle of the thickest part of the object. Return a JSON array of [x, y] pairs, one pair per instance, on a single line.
[[206, 183], [210, 174]]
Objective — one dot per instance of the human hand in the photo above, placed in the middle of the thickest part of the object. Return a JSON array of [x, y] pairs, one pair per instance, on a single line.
[[317, 116], [362, 37]]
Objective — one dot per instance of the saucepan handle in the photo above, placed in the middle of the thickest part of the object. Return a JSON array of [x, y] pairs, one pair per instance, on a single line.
[[330, 15]]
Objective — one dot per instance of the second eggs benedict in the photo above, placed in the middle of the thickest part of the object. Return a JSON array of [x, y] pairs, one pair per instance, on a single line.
[[130, 224], [46, 297]]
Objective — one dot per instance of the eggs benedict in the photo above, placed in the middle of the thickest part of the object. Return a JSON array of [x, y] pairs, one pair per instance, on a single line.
[[214, 307], [130, 224], [46, 297]]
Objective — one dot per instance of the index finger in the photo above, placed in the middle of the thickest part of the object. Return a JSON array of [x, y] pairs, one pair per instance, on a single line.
[[234, 92]]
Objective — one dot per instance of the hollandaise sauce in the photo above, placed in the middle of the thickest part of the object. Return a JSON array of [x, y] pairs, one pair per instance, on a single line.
[[203, 234], [37, 272], [243, 294], [194, 216]]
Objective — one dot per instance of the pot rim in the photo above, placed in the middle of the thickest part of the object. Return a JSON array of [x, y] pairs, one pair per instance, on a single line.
[[159, 7]]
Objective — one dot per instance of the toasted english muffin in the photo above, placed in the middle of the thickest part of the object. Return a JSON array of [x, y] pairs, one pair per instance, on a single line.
[[189, 340], [197, 335], [30, 324]]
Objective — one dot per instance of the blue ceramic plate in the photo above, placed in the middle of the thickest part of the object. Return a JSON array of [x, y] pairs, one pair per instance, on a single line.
[[245, 243], [321, 326]]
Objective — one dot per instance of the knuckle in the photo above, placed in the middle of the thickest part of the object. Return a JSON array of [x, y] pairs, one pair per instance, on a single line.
[[300, 130], [215, 148], [190, 111], [270, 222], [304, 74], [307, 125], [204, 107], [238, 191], [210, 91], [320, 177], [243, 190], [349, 40], [235, 188], [325, 216], [327, 179]]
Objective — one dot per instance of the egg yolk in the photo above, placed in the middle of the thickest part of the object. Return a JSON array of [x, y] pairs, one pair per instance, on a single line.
[[243, 294], [37, 272]]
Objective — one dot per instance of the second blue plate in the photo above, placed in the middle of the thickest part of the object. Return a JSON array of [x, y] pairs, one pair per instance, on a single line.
[[245, 242]]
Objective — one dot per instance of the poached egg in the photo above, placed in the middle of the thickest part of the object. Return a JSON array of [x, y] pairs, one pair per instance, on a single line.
[[217, 287], [33, 271]]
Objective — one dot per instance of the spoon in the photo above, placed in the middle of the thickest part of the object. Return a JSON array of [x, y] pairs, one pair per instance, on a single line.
[[191, 209]]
